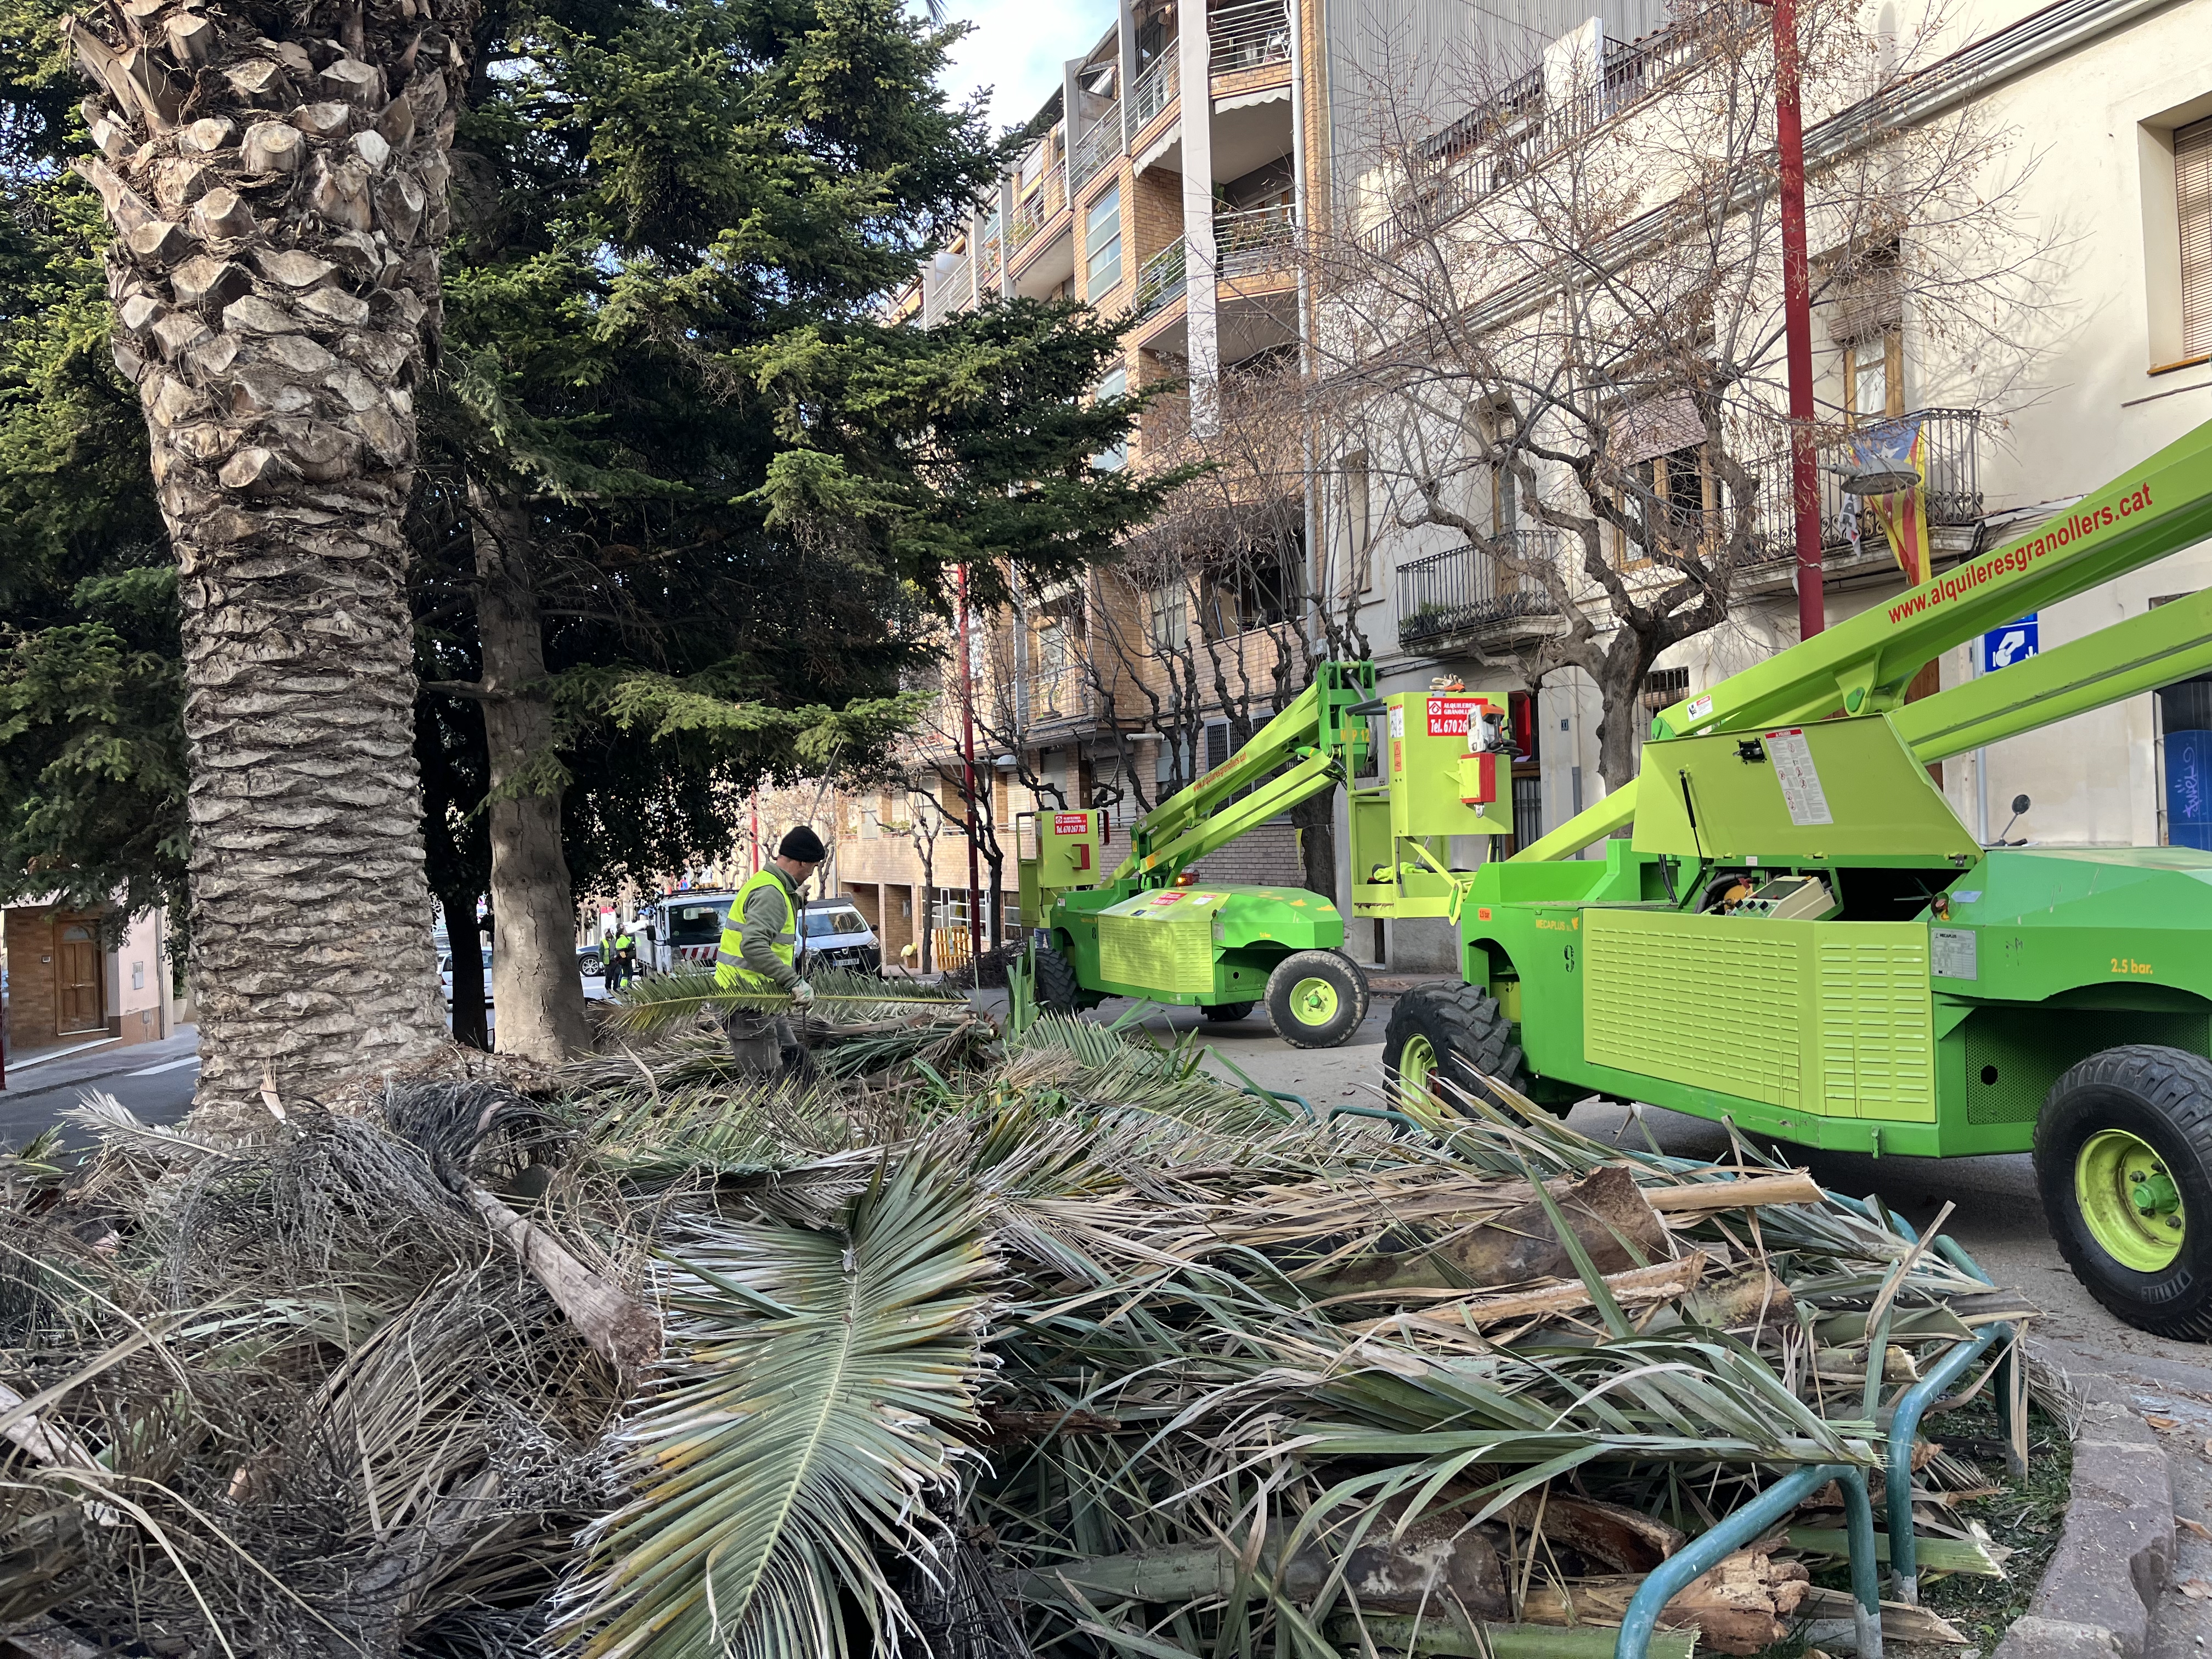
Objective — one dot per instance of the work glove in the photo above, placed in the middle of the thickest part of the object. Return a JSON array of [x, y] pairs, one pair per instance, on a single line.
[[802, 994]]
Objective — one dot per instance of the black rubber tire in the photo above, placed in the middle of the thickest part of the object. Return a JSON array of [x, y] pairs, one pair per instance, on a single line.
[[1351, 986], [1057, 989], [1470, 1036], [591, 966], [1223, 1012], [2163, 1096]]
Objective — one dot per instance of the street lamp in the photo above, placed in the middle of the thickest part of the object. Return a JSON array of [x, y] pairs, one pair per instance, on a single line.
[[1797, 318]]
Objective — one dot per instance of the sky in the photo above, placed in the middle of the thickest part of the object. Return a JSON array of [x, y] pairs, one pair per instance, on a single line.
[[1017, 47]]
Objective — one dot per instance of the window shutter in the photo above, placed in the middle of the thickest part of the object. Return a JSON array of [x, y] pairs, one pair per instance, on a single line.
[[2192, 179]]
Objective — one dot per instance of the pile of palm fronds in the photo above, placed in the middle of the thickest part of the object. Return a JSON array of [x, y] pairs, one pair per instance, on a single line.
[[1000, 1345]]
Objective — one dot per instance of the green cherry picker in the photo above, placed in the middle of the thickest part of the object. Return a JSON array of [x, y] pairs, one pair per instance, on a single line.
[[1789, 926], [1148, 931]]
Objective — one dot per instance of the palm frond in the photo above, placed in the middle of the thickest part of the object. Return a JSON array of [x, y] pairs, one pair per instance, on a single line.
[[815, 1386]]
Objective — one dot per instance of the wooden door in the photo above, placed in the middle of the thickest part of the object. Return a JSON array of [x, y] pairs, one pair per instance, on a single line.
[[79, 986]]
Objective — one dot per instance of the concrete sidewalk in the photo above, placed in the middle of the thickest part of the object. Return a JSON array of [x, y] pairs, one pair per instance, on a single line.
[[110, 1059]]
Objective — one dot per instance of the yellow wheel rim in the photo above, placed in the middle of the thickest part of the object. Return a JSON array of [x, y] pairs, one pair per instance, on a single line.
[[1312, 1002], [2130, 1200], [1417, 1063]]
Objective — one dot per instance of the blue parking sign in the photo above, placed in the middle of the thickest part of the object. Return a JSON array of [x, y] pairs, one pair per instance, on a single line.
[[2016, 641]]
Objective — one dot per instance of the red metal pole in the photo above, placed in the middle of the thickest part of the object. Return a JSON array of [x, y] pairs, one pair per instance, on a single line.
[[968, 783], [756, 833], [1797, 321]]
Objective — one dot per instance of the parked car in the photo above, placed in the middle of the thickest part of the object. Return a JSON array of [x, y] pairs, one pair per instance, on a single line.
[[446, 974], [588, 961], [834, 934]]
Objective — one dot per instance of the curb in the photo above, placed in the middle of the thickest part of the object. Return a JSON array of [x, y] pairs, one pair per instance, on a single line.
[[2096, 1594]]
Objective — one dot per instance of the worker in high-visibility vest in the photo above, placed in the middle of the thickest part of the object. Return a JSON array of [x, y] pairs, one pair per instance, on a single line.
[[759, 951]]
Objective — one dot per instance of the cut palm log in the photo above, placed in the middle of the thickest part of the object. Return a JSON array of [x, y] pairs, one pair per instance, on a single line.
[[1899, 1623], [1605, 1209], [1636, 1287], [619, 1326], [1700, 1197], [1742, 1606]]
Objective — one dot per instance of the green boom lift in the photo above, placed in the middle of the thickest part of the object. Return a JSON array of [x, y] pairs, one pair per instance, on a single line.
[[1798, 934], [1148, 931]]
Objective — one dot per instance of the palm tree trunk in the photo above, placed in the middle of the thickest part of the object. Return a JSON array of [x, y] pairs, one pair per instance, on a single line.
[[274, 276], [538, 995]]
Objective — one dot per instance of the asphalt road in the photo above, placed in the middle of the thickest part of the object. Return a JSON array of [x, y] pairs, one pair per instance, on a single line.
[[153, 1079]]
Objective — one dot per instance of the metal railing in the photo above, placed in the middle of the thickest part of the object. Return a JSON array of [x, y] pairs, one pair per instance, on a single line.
[[1464, 589], [987, 252], [1034, 210], [1159, 281], [1254, 239], [1062, 694], [950, 293], [1155, 87], [1249, 36], [1951, 462], [1098, 148], [1510, 132]]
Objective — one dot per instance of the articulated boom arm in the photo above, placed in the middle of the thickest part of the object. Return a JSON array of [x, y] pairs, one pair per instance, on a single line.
[[1863, 665], [1317, 728]]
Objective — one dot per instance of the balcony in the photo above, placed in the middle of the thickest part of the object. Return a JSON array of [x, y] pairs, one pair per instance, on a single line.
[[1159, 281], [1048, 697], [1098, 148], [1034, 210], [949, 294], [1450, 595], [1509, 134], [1155, 88], [1249, 36], [1254, 240], [1951, 462]]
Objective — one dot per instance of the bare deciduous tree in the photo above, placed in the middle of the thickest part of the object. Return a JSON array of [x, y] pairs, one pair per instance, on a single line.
[[1551, 326]]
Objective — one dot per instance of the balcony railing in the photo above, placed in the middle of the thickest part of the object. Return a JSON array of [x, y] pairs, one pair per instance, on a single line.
[[1155, 87], [1951, 461], [1159, 281], [1254, 239], [1458, 592], [1098, 148], [1506, 135], [989, 255], [949, 294], [1065, 695], [1034, 210], [1248, 35]]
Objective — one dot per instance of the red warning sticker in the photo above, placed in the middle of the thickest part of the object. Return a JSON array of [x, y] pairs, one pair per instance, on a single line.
[[1070, 823]]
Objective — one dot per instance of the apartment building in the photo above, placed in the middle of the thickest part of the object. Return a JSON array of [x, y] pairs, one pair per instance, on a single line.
[[1200, 216], [2095, 116]]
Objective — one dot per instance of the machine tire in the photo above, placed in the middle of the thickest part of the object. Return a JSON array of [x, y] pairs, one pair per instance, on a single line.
[[1457, 1033], [1223, 1012], [1057, 989], [1316, 998], [2118, 1122]]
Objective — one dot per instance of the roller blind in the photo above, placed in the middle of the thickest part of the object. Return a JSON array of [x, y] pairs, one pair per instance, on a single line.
[[2192, 179]]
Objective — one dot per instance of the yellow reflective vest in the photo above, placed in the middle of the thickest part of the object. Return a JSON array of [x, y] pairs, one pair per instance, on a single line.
[[730, 970]]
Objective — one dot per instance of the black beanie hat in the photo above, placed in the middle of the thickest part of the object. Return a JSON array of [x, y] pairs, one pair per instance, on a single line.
[[804, 845]]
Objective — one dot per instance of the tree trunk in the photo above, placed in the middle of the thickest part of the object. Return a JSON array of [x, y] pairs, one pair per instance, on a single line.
[[538, 994], [1315, 823], [461, 935], [275, 278]]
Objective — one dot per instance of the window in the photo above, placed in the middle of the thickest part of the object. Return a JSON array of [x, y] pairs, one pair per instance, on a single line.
[[2192, 200], [697, 924], [1259, 593], [1217, 744], [1665, 687], [1358, 521], [1116, 384], [1865, 319], [1102, 246], [1170, 608], [825, 923]]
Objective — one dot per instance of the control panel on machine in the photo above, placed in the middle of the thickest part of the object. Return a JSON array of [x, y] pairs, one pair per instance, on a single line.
[[1772, 898]]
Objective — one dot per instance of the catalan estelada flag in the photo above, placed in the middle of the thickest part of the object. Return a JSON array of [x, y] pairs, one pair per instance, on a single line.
[[1893, 445]]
